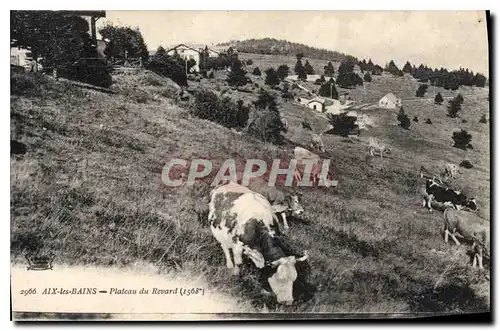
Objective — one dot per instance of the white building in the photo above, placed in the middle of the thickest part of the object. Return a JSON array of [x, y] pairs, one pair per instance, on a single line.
[[316, 104], [390, 101]]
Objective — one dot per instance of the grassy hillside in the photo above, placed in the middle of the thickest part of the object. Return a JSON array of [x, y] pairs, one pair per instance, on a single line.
[[89, 188]]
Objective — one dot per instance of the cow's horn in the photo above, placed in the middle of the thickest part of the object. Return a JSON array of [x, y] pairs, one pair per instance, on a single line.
[[304, 257]]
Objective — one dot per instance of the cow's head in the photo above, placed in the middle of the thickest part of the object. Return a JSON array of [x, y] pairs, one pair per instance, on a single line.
[[294, 204], [471, 204], [283, 276]]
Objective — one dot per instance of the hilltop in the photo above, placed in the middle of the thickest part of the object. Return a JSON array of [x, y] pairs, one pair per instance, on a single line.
[[274, 46], [89, 188]]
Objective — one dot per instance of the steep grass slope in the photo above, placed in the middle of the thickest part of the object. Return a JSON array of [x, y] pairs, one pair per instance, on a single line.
[[89, 189]]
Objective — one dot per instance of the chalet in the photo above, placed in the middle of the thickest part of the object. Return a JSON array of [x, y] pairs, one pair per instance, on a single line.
[[316, 104], [390, 101]]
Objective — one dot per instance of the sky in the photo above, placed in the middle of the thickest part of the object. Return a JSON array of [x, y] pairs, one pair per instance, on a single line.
[[449, 39]]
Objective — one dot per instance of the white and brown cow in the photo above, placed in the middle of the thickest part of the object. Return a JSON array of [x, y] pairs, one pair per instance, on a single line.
[[375, 145], [242, 221], [467, 225]]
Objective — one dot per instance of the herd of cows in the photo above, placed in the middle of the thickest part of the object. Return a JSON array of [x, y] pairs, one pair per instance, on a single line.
[[254, 225]]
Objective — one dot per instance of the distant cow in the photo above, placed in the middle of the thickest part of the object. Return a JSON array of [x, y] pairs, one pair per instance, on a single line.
[[446, 196], [317, 143], [242, 220], [466, 225], [301, 155], [377, 145], [285, 204], [451, 170]]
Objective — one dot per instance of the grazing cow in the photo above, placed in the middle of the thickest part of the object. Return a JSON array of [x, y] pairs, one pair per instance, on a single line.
[[451, 170], [466, 225], [377, 145], [426, 173], [446, 196], [302, 154], [285, 204], [242, 220], [317, 143]]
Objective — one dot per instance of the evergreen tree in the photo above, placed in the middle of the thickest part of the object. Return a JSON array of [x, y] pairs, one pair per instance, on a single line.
[[329, 69], [461, 139], [438, 99], [283, 71], [454, 106], [237, 76], [256, 72], [272, 78], [422, 89], [329, 90], [300, 70], [403, 119], [309, 69], [407, 68]]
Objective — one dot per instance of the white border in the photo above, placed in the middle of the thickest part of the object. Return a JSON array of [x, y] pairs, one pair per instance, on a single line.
[[197, 5]]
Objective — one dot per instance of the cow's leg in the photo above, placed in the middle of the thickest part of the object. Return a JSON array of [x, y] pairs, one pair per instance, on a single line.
[[455, 239], [238, 257], [429, 203], [480, 258], [446, 234], [229, 263], [285, 223]]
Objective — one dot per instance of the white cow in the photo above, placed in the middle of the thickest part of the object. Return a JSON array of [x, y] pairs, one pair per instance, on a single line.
[[451, 170], [317, 142], [242, 221], [377, 145], [467, 225]]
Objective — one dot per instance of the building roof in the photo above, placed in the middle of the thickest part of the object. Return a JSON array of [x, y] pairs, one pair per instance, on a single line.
[[192, 47], [391, 97], [317, 100]]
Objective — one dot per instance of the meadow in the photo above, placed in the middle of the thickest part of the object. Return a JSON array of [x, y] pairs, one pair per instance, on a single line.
[[89, 189]]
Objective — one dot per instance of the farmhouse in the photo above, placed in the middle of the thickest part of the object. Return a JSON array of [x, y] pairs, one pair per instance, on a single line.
[[389, 101], [316, 104], [188, 52]]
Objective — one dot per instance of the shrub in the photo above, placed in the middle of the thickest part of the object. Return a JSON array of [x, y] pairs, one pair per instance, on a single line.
[[29, 84], [306, 125], [464, 121], [249, 62], [415, 119], [272, 78], [342, 124], [428, 121], [223, 111], [283, 71], [454, 106], [211, 74], [367, 77], [438, 99], [466, 164], [268, 127], [266, 101], [461, 139], [403, 119], [286, 93], [459, 98], [483, 119], [422, 89], [256, 72]]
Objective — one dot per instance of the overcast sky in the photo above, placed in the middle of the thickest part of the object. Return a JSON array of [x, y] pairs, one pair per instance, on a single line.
[[437, 38]]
